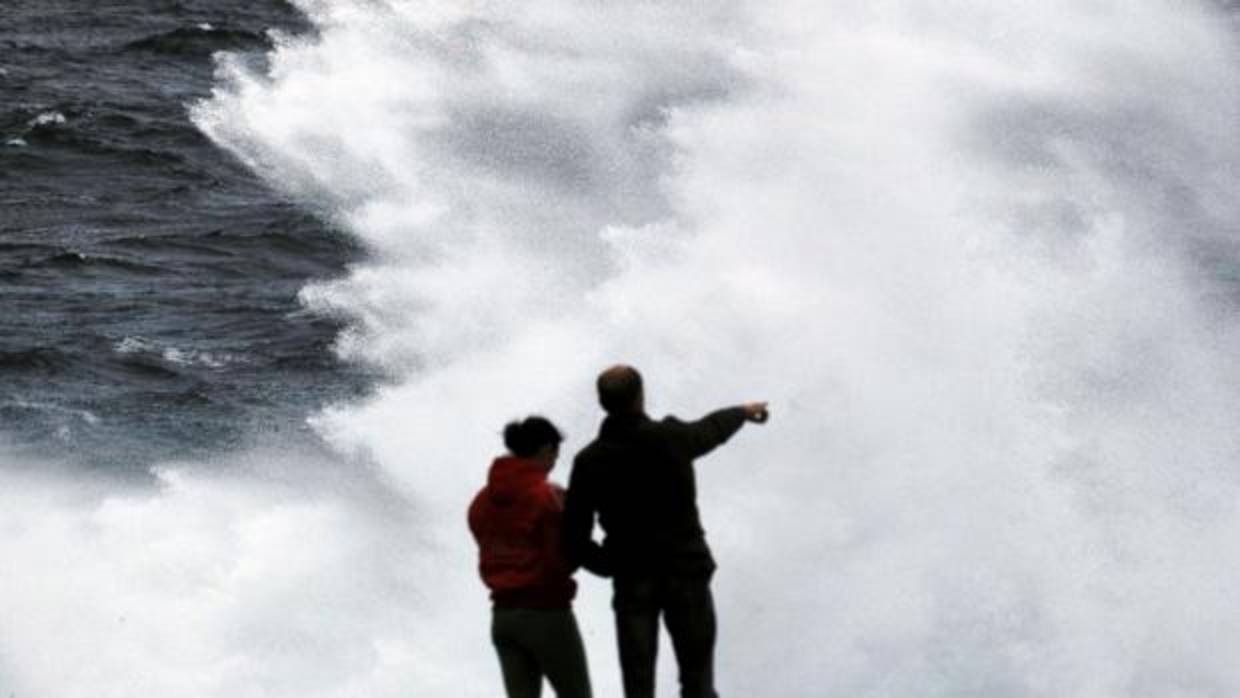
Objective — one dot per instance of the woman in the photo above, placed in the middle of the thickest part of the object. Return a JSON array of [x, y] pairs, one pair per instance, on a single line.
[[516, 521]]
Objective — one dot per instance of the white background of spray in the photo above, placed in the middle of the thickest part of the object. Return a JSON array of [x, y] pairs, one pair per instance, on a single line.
[[962, 249]]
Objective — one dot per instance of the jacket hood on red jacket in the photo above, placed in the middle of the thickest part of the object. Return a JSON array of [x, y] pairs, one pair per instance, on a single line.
[[511, 477]]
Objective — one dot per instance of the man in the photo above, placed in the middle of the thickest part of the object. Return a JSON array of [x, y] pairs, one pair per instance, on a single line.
[[638, 477]]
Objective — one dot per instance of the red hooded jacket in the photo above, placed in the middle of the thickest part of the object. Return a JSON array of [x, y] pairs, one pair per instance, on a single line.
[[516, 521]]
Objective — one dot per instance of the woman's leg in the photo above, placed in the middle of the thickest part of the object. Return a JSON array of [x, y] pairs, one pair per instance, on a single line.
[[520, 666], [563, 656]]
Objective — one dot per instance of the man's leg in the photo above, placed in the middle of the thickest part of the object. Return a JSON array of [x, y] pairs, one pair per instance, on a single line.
[[637, 634], [689, 612], [562, 655], [522, 677]]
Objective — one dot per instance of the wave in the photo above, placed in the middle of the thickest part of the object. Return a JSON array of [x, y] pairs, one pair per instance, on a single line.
[[96, 262], [47, 120], [952, 247], [196, 41], [955, 245], [155, 137], [85, 416], [139, 346], [35, 360]]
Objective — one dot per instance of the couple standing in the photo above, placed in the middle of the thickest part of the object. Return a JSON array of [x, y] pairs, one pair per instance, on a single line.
[[637, 478]]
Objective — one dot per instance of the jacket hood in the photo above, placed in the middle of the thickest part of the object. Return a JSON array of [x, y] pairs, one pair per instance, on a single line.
[[510, 478]]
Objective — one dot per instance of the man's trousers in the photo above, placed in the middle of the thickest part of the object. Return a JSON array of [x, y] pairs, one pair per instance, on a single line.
[[687, 609]]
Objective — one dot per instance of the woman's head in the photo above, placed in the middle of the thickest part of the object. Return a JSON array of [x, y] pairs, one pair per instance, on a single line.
[[533, 437]]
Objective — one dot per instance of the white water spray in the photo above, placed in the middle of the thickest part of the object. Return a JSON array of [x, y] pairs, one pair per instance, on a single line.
[[977, 257]]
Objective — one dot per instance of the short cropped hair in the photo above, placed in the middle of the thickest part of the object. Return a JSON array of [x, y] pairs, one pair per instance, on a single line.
[[619, 389], [524, 438]]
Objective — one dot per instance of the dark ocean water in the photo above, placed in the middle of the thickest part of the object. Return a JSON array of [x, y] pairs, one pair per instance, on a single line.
[[148, 281]]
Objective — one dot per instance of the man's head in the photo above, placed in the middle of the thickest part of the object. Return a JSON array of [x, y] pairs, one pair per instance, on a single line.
[[620, 390]]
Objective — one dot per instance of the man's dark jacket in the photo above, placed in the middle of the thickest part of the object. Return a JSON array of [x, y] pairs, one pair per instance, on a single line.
[[637, 477]]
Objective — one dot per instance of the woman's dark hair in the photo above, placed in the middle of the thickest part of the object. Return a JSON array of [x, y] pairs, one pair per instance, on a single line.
[[525, 437]]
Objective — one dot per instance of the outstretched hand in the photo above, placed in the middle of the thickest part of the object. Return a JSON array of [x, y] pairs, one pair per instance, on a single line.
[[756, 412]]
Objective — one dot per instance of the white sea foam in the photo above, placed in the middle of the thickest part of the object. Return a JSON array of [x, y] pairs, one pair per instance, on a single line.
[[193, 357], [272, 576], [85, 415], [959, 246], [133, 345], [46, 119], [174, 355]]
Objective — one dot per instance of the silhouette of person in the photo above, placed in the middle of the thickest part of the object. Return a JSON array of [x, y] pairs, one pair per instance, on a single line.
[[516, 520], [638, 478]]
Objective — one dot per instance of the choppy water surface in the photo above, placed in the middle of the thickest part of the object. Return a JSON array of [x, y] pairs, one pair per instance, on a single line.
[[148, 281]]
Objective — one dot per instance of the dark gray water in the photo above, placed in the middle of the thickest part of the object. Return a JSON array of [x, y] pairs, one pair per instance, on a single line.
[[148, 281]]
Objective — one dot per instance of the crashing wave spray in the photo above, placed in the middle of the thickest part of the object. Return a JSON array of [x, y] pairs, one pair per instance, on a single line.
[[980, 259], [964, 249]]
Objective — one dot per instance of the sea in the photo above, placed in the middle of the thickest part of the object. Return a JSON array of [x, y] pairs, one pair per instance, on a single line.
[[149, 279], [275, 273]]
